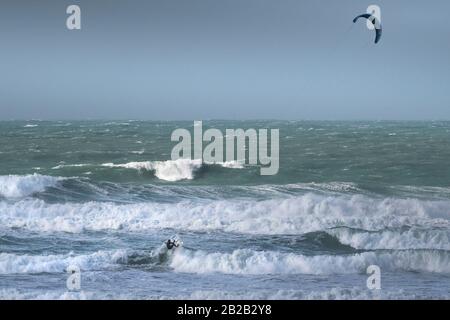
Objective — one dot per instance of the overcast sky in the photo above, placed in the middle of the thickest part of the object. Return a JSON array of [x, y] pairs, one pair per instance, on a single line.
[[224, 59]]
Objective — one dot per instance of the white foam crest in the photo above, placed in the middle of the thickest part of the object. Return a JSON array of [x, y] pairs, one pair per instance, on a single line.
[[174, 170], [16, 294], [331, 294], [296, 215], [15, 264], [170, 170], [138, 151], [78, 165], [352, 293], [232, 164], [141, 165], [16, 186], [409, 239], [245, 261]]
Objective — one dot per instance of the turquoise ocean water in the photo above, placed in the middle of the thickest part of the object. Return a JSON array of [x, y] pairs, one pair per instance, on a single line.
[[104, 195]]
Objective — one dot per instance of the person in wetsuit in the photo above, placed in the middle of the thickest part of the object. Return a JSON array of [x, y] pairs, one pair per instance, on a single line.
[[172, 243]]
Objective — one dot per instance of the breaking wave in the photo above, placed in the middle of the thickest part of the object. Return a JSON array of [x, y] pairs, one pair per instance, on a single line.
[[411, 238], [245, 261], [295, 215], [15, 186], [240, 261], [173, 170], [331, 294], [170, 170], [14, 264], [354, 293]]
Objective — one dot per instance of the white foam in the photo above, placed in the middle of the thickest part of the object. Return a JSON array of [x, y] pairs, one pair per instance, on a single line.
[[245, 261], [143, 165], [170, 170], [233, 164], [78, 165], [16, 264], [15, 186], [414, 238], [174, 170], [355, 293], [15, 294], [331, 294], [296, 215]]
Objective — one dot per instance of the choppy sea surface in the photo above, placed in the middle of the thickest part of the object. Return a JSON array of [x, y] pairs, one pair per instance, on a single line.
[[104, 195]]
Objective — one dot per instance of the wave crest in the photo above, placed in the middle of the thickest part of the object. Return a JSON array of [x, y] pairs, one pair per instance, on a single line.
[[170, 170], [296, 215], [245, 261], [173, 170], [15, 186], [414, 238], [13, 264]]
